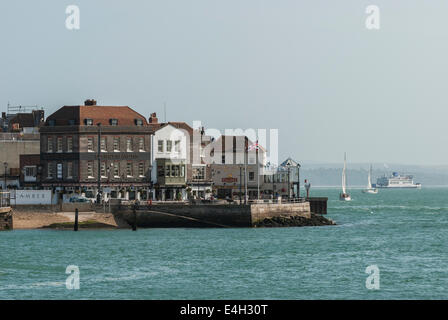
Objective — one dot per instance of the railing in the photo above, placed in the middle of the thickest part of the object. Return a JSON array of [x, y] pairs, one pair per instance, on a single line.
[[5, 200], [215, 201]]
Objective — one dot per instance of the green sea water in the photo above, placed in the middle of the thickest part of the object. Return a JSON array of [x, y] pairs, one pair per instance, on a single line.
[[403, 232]]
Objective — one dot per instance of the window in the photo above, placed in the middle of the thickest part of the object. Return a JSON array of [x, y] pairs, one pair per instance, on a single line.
[[103, 144], [223, 159], [71, 122], [182, 171], [30, 171], [59, 144], [103, 170], [160, 146], [50, 172], [51, 123], [169, 145], [138, 122], [141, 169], [129, 169], [116, 144], [116, 170], [50, 144], [113, 122], [176, 171], [168, 171], [177, 145], [251, 176], [88, 122], [160, 171], [90, 169], [69, 144], [69, 170], [198, 173], [90, 144], [129, 144], [141, 144]]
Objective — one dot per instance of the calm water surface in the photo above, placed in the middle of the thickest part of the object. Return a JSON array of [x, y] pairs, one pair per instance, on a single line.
[[403, 232]]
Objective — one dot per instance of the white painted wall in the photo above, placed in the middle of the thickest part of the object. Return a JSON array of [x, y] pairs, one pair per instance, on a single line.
[[33, 197], [173, 134]]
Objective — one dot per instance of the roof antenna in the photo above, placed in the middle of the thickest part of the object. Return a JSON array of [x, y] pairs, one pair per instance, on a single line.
[[164, 110]]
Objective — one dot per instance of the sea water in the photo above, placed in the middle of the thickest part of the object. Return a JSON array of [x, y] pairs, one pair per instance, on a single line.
[[404, 233]]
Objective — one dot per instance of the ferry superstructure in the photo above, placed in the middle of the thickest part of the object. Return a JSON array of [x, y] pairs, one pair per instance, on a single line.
[[397, 181]]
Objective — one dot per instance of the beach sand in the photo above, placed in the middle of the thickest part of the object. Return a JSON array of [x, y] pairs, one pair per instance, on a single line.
[[34, 220]]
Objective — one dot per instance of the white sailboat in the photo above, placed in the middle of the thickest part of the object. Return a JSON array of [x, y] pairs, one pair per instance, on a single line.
[[344, 196], [369, 188]]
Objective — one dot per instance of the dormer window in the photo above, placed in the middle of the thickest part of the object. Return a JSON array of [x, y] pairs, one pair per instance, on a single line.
[[113, 122], [138, 122], [88, 122]]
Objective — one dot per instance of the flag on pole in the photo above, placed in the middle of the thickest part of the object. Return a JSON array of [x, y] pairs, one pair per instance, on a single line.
[[253, 146]]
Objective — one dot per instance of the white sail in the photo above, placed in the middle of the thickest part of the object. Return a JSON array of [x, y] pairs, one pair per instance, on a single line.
[[369, 180], [343, 176]]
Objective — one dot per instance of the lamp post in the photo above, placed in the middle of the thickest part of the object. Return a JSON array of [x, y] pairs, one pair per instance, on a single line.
[[5, 164], [298, 181], [200, 158], [98, 197], [241, 173]]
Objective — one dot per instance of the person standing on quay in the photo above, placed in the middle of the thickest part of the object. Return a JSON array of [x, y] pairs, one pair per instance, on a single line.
[[307, 188]]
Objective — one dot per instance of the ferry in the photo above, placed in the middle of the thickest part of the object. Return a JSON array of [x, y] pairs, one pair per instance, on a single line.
[[397, 181]]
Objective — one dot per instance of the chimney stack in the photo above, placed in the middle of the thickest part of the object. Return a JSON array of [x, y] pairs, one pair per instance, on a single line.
[[153, 118], [90, 102]]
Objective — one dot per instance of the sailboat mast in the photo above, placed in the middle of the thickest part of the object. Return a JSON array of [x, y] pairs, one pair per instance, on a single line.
[[343, 174]]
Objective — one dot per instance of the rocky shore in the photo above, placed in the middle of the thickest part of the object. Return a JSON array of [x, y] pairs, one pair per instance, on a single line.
[[295, 221], [90, 224]]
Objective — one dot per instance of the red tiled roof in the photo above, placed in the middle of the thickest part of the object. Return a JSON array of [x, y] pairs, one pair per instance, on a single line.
[[178, 125], [99, 114]]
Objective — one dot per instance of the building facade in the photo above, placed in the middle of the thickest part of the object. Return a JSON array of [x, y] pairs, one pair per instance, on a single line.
[[93, 150], [235, 168], [169, 161]]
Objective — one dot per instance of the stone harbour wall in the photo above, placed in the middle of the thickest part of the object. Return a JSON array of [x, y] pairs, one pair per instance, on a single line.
[[208, 216], [261, 211], [6, 222]]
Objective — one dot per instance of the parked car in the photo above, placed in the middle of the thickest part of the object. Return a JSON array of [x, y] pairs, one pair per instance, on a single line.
[[80, 199]]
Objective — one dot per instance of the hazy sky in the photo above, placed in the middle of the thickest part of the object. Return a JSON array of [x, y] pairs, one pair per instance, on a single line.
[[309, 68]]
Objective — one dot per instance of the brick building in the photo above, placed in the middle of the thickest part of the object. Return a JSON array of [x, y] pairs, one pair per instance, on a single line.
[[86, 144]]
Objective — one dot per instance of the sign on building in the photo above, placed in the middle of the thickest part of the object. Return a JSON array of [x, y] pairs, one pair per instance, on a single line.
[[33, 197]]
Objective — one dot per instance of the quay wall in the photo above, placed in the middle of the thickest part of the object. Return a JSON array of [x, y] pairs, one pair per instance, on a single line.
[[187, 216], [211, 215]]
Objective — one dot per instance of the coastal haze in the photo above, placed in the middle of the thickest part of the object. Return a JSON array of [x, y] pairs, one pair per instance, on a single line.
[[311, 69]]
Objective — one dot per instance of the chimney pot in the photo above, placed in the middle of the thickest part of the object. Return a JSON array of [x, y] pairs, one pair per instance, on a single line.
[[90, 102], [153, 118]]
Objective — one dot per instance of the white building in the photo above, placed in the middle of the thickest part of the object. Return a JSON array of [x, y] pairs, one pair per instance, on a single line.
[[170, 150]]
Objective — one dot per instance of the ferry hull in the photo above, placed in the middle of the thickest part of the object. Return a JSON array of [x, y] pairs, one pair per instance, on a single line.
[[400, 187]]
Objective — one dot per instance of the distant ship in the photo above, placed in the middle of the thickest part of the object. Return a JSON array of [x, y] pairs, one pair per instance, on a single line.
[[397, 181]]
